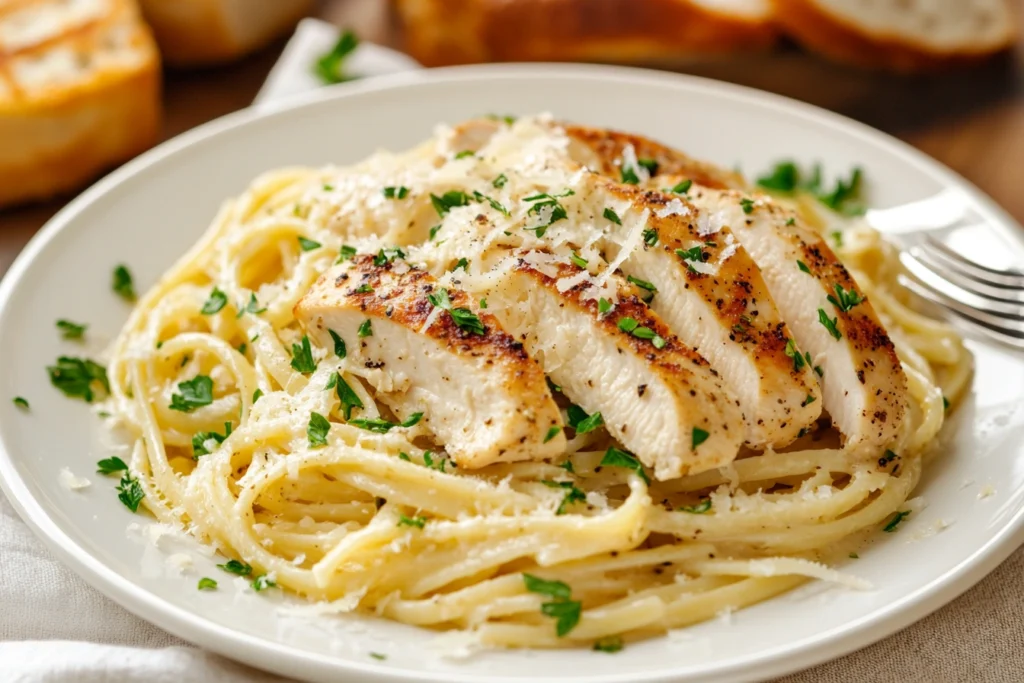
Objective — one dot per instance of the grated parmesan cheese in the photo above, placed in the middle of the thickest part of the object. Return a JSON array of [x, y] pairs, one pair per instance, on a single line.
[[72, 482]]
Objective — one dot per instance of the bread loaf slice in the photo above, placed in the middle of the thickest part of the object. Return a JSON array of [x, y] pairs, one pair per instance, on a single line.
[[79, 92], [192, 32], [902, 35], [441, 32]]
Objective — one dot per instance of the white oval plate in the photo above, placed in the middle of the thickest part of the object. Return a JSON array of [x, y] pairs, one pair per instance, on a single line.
[[151, 210]]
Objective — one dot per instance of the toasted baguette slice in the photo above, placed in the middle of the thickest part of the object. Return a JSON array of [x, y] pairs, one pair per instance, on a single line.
[[904, 36], [440, 32], [193, 32], [79, 92]]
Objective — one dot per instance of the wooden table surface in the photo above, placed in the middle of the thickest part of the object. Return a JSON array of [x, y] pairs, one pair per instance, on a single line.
[[972, 121]]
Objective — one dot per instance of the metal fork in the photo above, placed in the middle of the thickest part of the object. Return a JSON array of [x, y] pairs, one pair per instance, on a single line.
[[990, 299]]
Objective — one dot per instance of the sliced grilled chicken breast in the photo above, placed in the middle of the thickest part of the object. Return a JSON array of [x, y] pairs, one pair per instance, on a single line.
[[480, 393], [660, 399], [864, 387], [711, 294]]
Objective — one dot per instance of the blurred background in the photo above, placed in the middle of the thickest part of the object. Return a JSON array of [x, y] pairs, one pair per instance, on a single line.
[[87, 84]]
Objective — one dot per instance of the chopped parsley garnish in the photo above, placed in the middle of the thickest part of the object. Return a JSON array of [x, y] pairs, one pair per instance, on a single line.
[[236, 567], [500, 181], [583, 423], [803, 266], [448, 201], [507, 119], [699, 509], [76, 377], [615, 457], [609, 644], [129, 492], [463, 317], [650, 164], [340, 349], [837, 237], [567, 466], [612, 216], [643, 284], [631, 326], [887, 458], [345, 253], [784, 177], [214, 303], [364, 289], [206, 584], [418, 522], [461, 263], [683, 186], [548, 209], [195, 393], [603, 306], [578, 260], [256, 395], [434, 463], [565, 611], [799, 360], [495, 204], [21, 402], [628, 174], [317, 430], [651, 237], [386, 256], [830, 324], [200, 439], [895, 521], [945, 403], [854, 556], [464, 153], [787, 177], [400, 192], [844, 198], [349, 399], [306, 244], [383, 426], [262, 583], [111, 465], [70, 330], [698, 436], [434, 230], [483, 303], [790, 221], [748, 205], [302, 357], [572, 494], [809, 400], [378, 655], [123, 283], [691, 254], [329, 67], [252, 307], [844, 300], [553, 431], [552, 386]]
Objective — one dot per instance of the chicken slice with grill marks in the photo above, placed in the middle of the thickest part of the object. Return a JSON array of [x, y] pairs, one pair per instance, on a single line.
[[480, 393], [657, 397], [863, 384]]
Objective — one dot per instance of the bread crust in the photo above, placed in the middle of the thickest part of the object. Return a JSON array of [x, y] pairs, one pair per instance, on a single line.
[[442, 32], [837, 39], [58, 136]]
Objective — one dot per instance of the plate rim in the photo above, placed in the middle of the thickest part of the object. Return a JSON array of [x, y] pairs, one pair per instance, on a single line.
[[285, 660]]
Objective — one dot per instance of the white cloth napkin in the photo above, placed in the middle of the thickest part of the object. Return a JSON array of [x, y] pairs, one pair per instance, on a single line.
[[54, 628]]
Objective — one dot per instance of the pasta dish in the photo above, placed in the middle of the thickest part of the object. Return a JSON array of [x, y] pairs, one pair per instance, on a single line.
[[547, 384]]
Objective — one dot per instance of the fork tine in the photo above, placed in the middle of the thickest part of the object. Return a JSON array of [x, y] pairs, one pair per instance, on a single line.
[[984, 323], [935, 261], [1001, 313], [972, 269]]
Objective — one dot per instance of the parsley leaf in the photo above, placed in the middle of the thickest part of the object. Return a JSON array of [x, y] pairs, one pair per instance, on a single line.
[[77, 376], [603, 306], [381, 426], [565, 611], [317, 430], [548, 209], [554, 589], [206, 584], [615, 457], [129, 492], [448, 201], [400, 192], [803, 267], [385, 256], [793, 352], [418, 522], [262, 583], [699, 509], [895, 521], [572, 494], [612, 216], [365, 329], [651, 237], [349, 399], [631, 326], [830, 324], [302, 357], [583, 423], [553, 431], [464, 153], [887, 458], [578, 260], [21, 402], [329, 66], [111, 465], [748, 205], [845, 300], [70, 330], [214, 303], [252, 307], [346, 253], [463, 317], [122, 283], [236, 567], [195, 393], [784, 177], [306, 244], [682, 187], [462, 263], [200, 439], [500, 181], [495, 204], [698, 436], [609, 644]]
